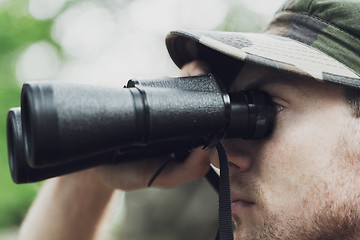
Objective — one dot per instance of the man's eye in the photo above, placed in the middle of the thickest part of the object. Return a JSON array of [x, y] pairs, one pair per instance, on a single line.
[[278, 103], [278, 108]]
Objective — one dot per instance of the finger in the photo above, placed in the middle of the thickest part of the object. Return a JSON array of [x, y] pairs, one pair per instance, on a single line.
[[194, 68], [194, 167], [137, 174], [130, 175]]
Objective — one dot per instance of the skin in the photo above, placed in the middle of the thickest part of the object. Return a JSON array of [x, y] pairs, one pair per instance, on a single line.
[[299, 183], [68, 207]]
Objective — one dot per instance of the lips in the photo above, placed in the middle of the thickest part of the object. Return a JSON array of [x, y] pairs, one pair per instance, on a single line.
[[240, 203]]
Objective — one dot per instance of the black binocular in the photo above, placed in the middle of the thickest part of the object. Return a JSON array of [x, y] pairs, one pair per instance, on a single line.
[[64, 127]]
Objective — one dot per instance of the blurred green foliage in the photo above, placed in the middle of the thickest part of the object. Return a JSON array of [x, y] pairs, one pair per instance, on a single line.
[[17, 31], [246, 21]]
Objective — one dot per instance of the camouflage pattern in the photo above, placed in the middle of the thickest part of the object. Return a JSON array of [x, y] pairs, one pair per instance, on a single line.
[[317, 38]]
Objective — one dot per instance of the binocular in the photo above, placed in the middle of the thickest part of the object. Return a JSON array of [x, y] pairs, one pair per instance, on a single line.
[[65, 127]]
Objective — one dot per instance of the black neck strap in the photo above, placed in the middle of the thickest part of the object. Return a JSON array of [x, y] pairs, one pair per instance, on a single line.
[[222, 185], [225, 219]]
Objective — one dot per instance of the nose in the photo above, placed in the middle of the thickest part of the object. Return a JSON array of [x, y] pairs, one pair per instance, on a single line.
[[238, 152]]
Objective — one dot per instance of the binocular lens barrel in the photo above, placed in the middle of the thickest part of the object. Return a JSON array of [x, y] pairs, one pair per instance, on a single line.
[[66, 121], [22, 172], [65, 127], [15, 144]]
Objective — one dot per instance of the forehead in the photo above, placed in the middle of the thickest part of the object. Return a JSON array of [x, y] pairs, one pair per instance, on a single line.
[[256, 76]]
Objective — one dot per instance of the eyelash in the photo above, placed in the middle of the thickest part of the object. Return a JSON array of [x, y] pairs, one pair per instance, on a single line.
[[278, 108]]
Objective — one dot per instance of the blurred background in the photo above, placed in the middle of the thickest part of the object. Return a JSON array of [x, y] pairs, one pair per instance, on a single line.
[[109, 42]]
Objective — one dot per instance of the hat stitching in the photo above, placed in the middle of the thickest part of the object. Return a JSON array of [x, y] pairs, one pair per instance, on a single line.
[[325, 22], [225, 48], [331, 25], [301, 53], [309, 6], [342, 80]]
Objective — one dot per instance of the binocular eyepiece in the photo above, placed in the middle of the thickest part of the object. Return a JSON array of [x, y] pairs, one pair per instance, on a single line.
[[65, 127]]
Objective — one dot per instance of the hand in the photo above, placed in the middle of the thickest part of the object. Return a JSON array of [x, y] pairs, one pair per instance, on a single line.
[[137, 174], [74, 206]]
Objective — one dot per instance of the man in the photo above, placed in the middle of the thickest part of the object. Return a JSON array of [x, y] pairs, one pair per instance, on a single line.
[[299, 183]]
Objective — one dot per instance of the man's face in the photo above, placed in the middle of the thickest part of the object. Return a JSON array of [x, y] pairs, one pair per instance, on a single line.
[[303, 181]]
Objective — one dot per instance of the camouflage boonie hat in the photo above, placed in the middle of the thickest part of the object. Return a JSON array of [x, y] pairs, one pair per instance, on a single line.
[[316, 38]]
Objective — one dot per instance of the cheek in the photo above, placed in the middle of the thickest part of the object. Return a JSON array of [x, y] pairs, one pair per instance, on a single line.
[[293, 158]]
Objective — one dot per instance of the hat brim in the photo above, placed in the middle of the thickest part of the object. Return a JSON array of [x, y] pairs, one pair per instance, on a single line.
[[273, 51]]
